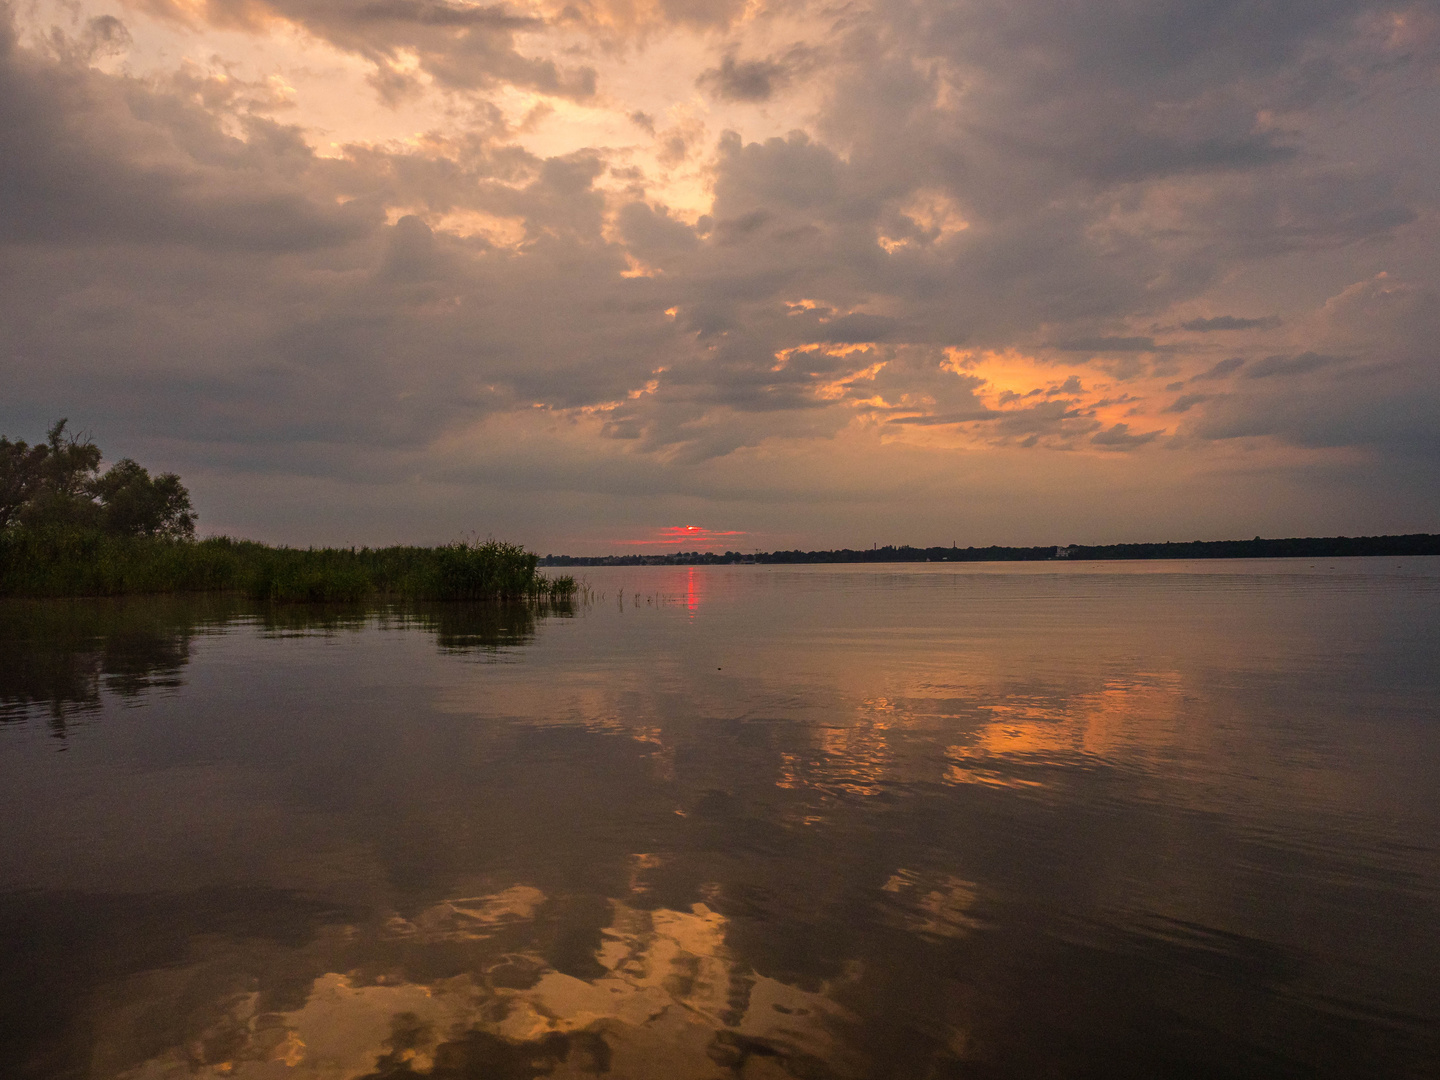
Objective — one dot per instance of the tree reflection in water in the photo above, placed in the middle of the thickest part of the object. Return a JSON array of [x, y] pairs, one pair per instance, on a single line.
[[1006, 824], [60, 657]]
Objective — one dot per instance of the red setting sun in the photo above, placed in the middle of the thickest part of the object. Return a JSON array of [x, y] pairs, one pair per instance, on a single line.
[[687, 538]]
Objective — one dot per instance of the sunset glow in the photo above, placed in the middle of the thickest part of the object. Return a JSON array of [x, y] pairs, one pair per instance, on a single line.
[[688, 538], [995, 272]]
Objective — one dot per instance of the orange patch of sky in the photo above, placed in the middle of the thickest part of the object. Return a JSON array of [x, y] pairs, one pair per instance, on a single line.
[[1010, 378], [323, 88], [329, 96]]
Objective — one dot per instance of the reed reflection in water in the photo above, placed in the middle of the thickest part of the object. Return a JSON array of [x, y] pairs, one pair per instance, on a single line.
[[1139, 820]]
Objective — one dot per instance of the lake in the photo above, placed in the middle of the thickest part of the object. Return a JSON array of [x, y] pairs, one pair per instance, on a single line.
[[1157, 819]]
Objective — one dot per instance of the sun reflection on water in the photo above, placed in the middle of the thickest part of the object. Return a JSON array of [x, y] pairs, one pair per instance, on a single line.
[[815, 831]]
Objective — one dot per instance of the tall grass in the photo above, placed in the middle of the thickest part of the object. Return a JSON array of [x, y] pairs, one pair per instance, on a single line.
[[54, 563]]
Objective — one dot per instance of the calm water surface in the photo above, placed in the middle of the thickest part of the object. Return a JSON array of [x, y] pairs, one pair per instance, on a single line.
[[1044, 820]]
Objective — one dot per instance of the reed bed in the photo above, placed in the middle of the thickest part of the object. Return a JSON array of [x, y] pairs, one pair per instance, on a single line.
[[54, 564]]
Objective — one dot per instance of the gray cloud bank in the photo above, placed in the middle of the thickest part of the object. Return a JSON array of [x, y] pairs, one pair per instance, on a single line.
[[183, 275]]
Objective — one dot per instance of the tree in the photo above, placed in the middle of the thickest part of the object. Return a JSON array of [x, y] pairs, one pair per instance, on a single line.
[[20, 471], [57, 484], [61, 494], [132, 503]]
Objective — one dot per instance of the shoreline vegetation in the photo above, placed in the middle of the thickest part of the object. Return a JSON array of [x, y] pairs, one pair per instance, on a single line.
[[69, 530], [1310, 547], [52, 563]]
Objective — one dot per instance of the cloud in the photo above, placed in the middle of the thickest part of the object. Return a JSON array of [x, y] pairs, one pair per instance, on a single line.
[[104, 35], [1272, 366], [1144, 155], [436, 13], [1185, 402], [1382, 400], [459, 46], [1220, 370], [757, 80], [79, 163], [860, 327], [1119, 437], [752, 80], [1071, 385], [1108, 345], [557, 254], [1230, 322]]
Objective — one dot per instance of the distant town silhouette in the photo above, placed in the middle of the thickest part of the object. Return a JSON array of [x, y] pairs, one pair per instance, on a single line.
[[1311, 547]]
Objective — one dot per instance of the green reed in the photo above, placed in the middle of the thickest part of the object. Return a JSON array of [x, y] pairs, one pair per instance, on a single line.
[[73, 563]]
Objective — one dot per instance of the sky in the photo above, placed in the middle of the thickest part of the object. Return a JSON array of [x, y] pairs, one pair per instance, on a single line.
[[625, 275]]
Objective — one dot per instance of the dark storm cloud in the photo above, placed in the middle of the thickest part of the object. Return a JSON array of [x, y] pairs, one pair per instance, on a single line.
[[1383, 396], [1309, 209], [1065, 101], [431, 13], [1108, 345], [794, 174], [1059, 136], [104, 35], [1272, 366], [1059, 419], [1120, 437], [734, 230], [461, 46], [702, 13], [1142, 156], [1230, 322], [652, 233], [79, 163], [1384, 415], [944, 419], [181, 280], [986, 174], [1166, 50], [1185, 402], [757, 80], [1221, 370], [751, 80], [1069, 113], [852, 329]]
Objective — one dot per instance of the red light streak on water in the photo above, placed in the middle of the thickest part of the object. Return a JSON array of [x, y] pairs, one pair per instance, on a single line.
[[694, 591]]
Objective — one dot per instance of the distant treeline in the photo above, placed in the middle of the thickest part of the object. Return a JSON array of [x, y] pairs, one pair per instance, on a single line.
[[1311, 547], [67, 529]]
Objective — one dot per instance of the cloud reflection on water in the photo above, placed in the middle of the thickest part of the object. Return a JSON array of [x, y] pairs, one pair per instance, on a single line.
[[59, 655], [670, 1000], [818, 825]]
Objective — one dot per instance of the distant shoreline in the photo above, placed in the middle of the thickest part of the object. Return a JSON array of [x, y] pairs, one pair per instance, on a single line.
[[1310, 547]]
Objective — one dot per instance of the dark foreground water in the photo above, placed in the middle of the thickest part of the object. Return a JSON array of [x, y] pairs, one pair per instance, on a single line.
[[1127, 820]]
